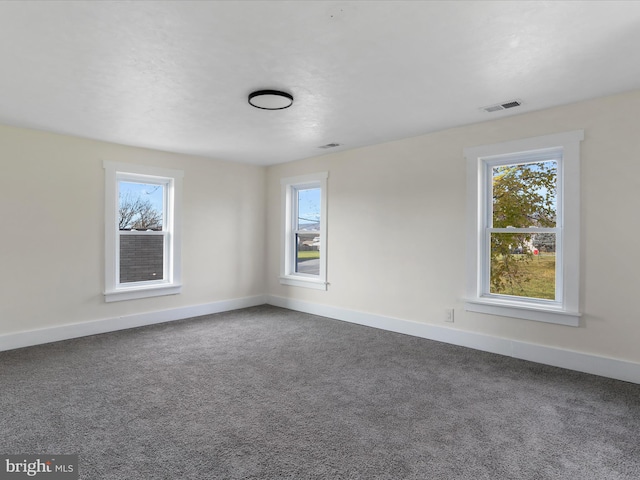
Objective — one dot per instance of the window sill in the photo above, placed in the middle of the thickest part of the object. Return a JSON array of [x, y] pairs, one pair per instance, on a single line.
[[141, 292], [524, 311], [304, 282]]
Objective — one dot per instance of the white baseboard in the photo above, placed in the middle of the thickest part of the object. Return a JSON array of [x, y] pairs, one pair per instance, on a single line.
[[581, 362], [29, 338]]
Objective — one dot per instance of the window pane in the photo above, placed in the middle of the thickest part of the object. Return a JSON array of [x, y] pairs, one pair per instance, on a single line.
[[141, 258], [524, 195], [140, 206], [308, 253], [523, 265], [308, 209]]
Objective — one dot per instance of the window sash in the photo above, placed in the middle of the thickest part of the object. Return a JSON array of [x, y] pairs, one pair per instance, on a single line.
[[167, 274], [167, 197], [543, 155], [294, 251], [485, 266]]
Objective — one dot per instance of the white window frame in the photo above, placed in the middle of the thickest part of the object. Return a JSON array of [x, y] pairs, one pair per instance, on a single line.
[[565, 147], [289, 187], [171, 180]]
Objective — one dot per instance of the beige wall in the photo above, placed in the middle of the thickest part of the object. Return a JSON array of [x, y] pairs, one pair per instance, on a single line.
[[396, 214], [395, 237], [52, 242]]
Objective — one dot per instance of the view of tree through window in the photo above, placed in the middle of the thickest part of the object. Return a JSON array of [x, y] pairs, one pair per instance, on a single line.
[[524, 199], [140, 216], [140, 206]]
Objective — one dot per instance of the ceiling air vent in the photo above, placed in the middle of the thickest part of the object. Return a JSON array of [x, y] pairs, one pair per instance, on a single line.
[[502, 106], [330, 145], [514, 103]]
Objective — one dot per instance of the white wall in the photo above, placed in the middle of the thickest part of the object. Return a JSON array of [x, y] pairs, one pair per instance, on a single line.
[[397, 224], [52, 242]]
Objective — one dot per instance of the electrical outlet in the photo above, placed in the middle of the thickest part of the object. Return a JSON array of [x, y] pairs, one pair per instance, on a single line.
[[448, 315]]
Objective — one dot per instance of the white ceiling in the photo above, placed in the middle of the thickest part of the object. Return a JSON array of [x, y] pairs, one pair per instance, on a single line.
[[175, 75]]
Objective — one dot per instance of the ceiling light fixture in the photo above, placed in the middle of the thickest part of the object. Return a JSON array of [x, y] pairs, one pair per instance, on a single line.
[[270, 100]]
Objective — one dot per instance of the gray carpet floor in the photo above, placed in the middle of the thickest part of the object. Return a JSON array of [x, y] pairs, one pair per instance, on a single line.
[[267, 393]]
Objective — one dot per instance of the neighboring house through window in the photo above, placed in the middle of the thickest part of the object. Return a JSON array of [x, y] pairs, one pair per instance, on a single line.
[[523, 243], [304, 237], [142, 234]]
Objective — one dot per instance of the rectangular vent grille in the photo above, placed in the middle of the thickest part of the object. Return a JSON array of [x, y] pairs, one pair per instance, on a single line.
[[502, 106], [515, 103]]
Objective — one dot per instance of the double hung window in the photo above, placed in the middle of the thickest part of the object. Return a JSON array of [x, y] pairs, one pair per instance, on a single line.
[[523, 228], [304, 235], [142, 239]]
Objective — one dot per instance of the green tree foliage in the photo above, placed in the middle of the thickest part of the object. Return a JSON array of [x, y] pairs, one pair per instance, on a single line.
[[523, 196]]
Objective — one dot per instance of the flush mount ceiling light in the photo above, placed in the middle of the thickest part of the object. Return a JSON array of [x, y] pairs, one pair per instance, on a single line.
[[270, 99]]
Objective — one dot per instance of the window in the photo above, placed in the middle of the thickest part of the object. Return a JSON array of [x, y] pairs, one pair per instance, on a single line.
[[523, 248], [142, 234], [304, 238]]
